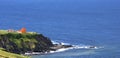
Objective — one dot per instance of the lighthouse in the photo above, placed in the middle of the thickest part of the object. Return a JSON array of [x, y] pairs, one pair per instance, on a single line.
[[22, 30]]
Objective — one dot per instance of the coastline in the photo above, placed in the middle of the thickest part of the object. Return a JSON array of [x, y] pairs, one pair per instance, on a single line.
[[54, 49], [32, 44], [27, 43]]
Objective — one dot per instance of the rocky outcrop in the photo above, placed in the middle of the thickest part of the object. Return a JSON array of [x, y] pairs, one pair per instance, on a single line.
[[27, 42], [58, 46], [21, 43]]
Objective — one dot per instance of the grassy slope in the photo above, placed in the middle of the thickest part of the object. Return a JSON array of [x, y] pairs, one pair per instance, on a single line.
[[4, 54], [3, 32]]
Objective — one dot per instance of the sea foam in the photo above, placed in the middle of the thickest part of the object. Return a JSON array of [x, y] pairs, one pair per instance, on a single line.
[[74, 47]]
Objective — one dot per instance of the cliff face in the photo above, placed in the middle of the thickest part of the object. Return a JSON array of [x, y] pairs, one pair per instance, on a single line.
[[21, 43]]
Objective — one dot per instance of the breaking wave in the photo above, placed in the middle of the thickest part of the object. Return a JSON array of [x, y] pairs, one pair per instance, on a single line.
[[65, 49], [74, 47]]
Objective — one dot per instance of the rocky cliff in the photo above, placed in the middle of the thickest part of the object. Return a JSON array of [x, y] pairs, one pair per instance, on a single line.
[[21, 43]]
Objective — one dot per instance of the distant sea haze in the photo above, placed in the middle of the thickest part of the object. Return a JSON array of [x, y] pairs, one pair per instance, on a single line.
[[81, 23]]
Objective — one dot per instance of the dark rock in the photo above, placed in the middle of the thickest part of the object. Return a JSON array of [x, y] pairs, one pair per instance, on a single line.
[[57, 46]]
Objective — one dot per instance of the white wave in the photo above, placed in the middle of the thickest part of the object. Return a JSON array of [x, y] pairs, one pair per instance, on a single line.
[[65, 43], [60, 50], [65, 49], [74, 47], [62, 43], [85, 47], [81, 46], [55, 42]]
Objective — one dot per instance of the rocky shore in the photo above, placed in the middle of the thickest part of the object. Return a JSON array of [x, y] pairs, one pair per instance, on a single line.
[[53, 48], [28, 43]]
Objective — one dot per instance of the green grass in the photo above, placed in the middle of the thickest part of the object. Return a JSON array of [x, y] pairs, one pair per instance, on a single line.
[[6, 32], [3, 32], [4, 54]]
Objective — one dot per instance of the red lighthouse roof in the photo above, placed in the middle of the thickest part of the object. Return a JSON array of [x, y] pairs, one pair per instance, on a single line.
[[23, 30]]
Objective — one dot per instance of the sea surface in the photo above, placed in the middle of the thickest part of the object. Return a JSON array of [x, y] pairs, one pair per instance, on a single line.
[[81, 23]]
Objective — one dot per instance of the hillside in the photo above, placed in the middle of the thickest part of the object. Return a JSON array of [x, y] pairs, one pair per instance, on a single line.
[[19, 43]]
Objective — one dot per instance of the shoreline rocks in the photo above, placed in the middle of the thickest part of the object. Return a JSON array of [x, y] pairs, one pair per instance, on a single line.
[[58, 46], [53, 48]]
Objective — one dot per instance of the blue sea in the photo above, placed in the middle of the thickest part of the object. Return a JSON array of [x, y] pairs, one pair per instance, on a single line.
[[77, 22]]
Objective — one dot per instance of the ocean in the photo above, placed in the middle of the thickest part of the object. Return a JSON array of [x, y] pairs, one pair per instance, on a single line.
[[81, 23]]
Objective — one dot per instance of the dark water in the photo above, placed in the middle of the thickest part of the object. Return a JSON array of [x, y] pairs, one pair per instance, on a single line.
[[86, 22]]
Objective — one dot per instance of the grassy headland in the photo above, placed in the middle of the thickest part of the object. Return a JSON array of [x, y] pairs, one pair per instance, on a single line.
[[15, 43]]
